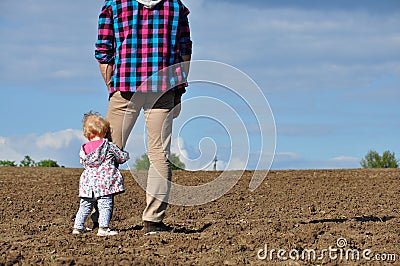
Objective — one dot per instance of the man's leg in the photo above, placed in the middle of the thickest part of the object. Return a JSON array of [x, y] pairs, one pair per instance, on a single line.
[[122, 113], [158, 124], [158, 117]]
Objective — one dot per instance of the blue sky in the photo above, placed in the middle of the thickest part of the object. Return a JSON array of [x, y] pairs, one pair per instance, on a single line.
[[330, 71]]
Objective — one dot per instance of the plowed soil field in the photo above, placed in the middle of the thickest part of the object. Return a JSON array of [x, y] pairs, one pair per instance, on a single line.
[[309, 217]]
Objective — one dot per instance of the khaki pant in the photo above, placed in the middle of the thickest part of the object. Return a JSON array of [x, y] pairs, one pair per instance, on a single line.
[[123, 111]]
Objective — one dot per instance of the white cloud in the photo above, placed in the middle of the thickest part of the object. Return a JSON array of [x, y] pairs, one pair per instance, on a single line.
[[200, 161], [62, 146], [205, 161], [292, 160], [58, 140], [6, 152], [341, 162], [237, 164], [136, 146], [288, 156], [178, 147], [345, 159]]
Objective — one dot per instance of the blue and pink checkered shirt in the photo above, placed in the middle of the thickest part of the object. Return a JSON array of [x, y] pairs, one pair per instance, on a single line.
[[141, 42]]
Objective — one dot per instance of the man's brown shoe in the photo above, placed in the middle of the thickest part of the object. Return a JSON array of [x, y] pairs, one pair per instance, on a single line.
[[151, 228]]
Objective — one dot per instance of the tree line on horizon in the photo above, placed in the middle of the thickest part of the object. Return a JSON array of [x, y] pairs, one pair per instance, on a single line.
[[371, 160], [143, 163], [28, 162], [374, 160]]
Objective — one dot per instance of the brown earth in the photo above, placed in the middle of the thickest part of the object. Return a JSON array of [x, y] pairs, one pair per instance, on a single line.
[[296, 211]]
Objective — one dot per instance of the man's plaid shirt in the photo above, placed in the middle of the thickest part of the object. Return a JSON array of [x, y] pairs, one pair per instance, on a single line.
[[140, 42]]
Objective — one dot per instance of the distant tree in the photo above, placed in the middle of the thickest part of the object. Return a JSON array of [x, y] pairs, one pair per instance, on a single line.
[[7, 163], [373, 160], [389, 160], [47, 163], [175, 163], [143, 163], [27, 162]]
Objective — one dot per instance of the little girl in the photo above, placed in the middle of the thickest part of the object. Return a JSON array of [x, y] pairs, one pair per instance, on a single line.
[[101, 179]]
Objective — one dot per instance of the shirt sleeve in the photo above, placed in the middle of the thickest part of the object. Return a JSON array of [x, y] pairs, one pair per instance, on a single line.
[[185, 42], [104, 51]]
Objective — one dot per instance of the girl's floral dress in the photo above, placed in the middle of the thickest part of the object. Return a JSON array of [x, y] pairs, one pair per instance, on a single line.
[[101, 177]]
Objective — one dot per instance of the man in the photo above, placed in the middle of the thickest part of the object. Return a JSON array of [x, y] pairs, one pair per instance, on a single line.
[[141, 47]]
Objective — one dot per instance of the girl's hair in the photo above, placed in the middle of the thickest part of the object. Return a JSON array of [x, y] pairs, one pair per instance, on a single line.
[[94, 125]]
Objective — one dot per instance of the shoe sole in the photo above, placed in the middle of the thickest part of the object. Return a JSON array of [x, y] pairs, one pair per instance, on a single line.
[[79, 232], [105, 235], [159, 232]]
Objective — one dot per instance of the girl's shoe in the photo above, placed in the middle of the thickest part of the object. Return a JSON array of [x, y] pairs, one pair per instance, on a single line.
[[106, 232], [78, 231]]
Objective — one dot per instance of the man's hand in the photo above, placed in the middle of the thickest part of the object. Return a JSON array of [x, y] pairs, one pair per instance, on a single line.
[[106, 72], [178, 94]]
